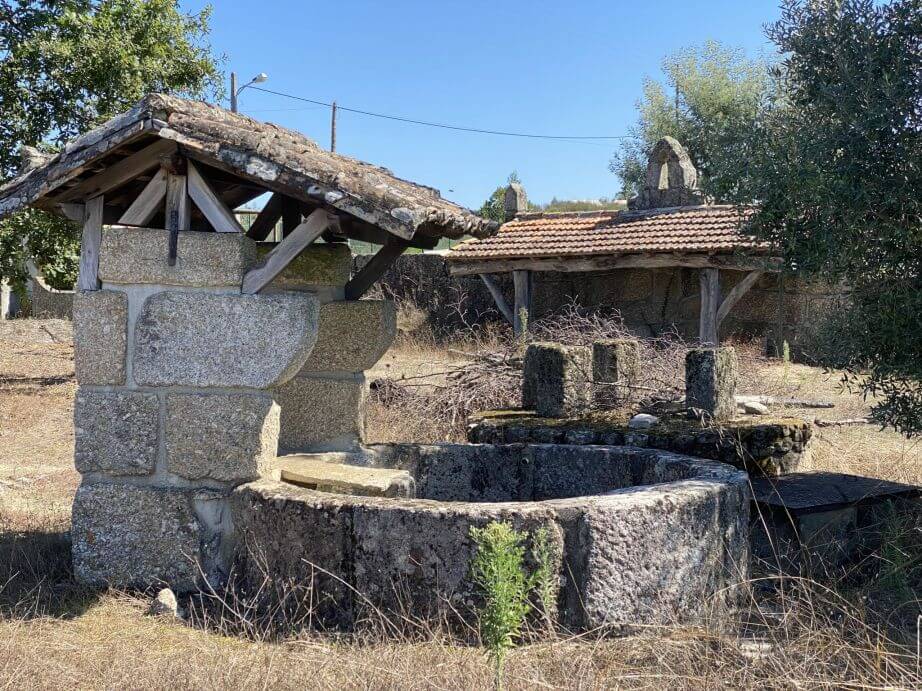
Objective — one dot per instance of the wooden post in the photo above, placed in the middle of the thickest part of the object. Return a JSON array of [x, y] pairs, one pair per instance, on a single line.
[[89, 249], [233, 92], [522, 282], [333, 128], [710, 303]]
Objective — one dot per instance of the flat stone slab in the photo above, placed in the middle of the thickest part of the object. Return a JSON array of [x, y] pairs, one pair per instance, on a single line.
[[319, 473], [206, 340], [806, 492], [100, 337], [223, 437], [353, 336], [140, 255], [116, 432]]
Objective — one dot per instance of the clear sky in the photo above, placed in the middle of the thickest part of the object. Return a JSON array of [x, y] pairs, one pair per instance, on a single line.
[[538, 67]]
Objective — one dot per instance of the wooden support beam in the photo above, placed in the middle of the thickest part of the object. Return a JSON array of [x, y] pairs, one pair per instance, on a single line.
[[498, 297], [609, 262], [73, 212], [210, 204], [738, 291], [710, 300], [177, 201], [118, 174], [268, 217], [376, 267], [148, 203], [283, 253], [88, 278], [522, 282], [291, 215]]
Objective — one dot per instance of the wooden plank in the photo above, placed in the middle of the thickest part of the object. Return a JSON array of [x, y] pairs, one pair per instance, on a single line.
[[268, 217], [121, 172], [710, 299], [148, 203], [498, 297], [375, 268], [73, 212], [522, 283], [210, 204], [738, 291], [89, 248], [177, 200], [459, 267], [289, 248]]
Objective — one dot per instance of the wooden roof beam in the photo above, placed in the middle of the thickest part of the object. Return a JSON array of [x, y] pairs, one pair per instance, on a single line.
[[737, 262]]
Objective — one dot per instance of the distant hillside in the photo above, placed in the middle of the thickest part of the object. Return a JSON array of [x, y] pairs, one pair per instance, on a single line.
[[602, 204]]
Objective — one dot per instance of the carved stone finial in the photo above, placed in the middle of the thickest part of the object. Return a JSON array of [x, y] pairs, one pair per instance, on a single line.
[[515, 201], [32, 158], [671, 178]]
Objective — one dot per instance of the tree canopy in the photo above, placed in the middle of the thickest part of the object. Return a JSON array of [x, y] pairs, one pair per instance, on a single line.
[[711, 96], [836, 166], [69, 65]]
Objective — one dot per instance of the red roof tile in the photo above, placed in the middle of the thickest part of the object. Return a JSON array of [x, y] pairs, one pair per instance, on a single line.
[[683, 230]]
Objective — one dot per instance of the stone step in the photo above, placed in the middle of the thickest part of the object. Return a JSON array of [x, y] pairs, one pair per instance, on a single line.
[[325, 472]]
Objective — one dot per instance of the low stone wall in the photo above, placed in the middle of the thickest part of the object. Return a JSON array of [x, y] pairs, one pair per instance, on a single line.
[[651, 301], [47, 303], [638, 537], [762, 447]]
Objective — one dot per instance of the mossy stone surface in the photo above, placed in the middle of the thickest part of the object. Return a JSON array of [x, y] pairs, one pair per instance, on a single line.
[[325, 264]]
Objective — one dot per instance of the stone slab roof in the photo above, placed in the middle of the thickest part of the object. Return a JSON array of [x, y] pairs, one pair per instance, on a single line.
[[265, 154], [823, 491], [677, 230]]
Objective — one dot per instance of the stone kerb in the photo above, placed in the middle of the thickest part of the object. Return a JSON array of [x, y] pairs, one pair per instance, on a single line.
[[174, 408]]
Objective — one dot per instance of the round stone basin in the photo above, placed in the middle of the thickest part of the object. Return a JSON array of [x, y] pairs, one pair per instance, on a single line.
[[639, 536]]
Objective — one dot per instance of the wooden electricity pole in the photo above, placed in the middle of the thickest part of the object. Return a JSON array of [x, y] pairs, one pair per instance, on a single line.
[[333, 128], [233, 93]]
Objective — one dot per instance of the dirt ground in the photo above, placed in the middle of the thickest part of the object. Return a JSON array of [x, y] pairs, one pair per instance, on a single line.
[[54, 634]]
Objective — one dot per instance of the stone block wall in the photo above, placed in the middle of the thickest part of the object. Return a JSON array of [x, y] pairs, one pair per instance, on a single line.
[[176, 371]]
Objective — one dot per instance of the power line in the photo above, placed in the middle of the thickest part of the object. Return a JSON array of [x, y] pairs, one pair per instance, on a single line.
[[440, 125]]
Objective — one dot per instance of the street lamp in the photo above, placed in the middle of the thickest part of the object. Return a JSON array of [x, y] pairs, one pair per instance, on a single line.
[[258, 79]]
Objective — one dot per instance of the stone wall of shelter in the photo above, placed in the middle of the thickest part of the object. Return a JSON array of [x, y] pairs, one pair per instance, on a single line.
[[180, 395]]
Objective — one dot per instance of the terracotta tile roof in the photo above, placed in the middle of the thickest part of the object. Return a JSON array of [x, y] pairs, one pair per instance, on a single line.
[[683, 230]]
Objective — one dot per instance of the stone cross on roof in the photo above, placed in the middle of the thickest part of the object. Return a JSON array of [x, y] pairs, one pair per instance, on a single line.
[[671, 178]]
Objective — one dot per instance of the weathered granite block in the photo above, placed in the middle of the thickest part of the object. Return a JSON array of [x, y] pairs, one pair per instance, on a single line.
[[615, 367], [353, 335], [320, 265], [321, 414], [100, 337], [710, 381], [131, 536], [202, 340], [557, 378], [140, 255], [116, 432], [225, 437]]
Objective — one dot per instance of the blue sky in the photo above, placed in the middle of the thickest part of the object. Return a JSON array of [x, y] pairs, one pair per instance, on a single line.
[[538, 67]]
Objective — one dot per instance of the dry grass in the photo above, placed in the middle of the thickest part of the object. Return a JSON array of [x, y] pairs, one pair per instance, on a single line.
[[55, 634]]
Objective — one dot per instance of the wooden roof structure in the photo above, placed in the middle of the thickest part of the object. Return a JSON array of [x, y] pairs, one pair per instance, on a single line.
[[179, 164], [669, 224]]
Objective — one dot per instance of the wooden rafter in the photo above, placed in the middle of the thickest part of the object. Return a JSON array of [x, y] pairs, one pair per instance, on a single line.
[[210, 204], [118, 174], [283, 253], [375, 268], [148, 203], [267, 218], [737, 292]]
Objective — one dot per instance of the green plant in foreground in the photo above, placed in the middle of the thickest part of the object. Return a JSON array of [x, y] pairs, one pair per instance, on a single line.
[[498, 569]]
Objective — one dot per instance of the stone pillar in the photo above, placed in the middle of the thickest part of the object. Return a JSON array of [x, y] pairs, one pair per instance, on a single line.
[[710, 381], [555, 381], [174, 407], [515, 201], [9, 302], [323, 406], [615, 366]]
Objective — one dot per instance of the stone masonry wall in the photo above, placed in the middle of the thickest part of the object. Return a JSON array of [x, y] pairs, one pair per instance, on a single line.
[[174, 408]]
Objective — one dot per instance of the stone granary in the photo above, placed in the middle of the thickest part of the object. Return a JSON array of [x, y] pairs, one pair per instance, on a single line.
[[198, 352], [668, 226]]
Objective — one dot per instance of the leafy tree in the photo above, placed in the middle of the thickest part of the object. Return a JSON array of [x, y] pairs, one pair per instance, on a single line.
[[837, 169], [710, 99], [69, 65], [494, 207]]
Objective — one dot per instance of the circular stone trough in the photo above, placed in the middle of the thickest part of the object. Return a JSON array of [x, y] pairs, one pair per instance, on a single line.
[[639, 536]]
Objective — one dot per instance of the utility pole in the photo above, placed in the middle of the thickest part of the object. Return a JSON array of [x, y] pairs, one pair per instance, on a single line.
[[333, 128], [233, 93]]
